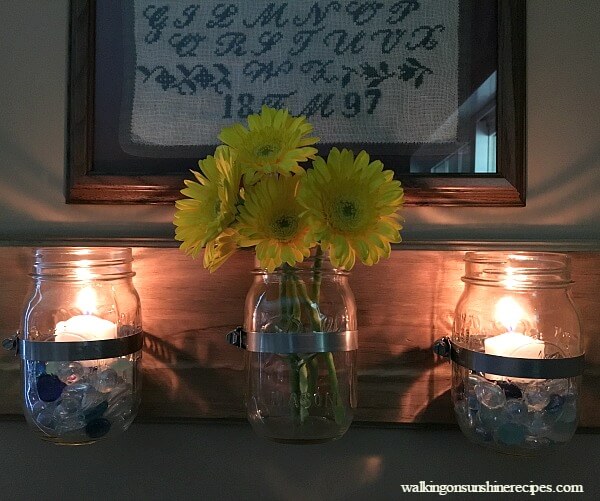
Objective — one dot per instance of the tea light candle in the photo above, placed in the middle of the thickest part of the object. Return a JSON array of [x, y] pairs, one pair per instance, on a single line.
[[85, 328], [514, 344]]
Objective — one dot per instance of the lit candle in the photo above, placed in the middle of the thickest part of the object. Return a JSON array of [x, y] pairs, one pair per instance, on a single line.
[[512, 344], [86, 327]]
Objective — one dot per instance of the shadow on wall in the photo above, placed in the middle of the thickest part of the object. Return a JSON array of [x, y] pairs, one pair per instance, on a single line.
[[183, 383]]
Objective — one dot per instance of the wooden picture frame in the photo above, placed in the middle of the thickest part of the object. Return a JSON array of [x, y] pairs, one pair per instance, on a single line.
[[506, 187]]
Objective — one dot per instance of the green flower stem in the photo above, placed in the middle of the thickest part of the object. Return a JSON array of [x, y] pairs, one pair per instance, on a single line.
[[339, 411], [301, 366], [293, 359], [303, 387], [316, 288], [313, 373]]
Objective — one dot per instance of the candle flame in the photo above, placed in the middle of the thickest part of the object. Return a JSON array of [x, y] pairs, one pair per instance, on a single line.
[[509, 313], [87, 300]]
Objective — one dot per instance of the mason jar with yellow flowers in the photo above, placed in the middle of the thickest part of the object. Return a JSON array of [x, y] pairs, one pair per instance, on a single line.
[[308, 226]]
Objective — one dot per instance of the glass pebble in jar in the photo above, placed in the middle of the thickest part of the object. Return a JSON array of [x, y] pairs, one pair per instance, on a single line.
[[517, 352], [81, 340]]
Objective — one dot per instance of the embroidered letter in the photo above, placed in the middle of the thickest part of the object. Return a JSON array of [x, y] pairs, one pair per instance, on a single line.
[[391, 39], [322, 103], [255, 69], [318, 14], [402, 9], [223, 15], [189, 12], [302, 39], [269, 14], [363, 12], [157, 20], [231, 42], [268, 40], [320, 70], [341, 47], [426, 37], [277, 100], [186, 45]]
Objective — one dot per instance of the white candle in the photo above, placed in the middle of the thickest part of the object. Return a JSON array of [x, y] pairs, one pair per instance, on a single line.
[[514, 345], [85, 328]]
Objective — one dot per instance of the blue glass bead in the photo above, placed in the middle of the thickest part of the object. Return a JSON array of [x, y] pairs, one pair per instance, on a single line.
[[554, 405], [96, 412], [97, 428], [473, 403], [49, 387], [489, 418], [511, 434], [510, 390], [516, 410]]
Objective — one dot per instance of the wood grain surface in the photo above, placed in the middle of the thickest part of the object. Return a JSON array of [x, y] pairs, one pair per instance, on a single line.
[[404, 305]]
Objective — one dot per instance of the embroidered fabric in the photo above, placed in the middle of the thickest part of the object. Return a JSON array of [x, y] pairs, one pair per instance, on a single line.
[[361, 71]]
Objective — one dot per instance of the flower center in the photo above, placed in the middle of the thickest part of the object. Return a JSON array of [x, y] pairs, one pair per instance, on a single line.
[[284, 227], [266, 150], [345, 214]]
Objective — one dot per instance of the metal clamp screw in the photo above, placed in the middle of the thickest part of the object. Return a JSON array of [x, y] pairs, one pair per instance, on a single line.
[[442, 347], [11, 343], [237, 337]]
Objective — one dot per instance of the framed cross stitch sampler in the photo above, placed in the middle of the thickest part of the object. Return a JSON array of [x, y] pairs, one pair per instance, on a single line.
[[434, 89]]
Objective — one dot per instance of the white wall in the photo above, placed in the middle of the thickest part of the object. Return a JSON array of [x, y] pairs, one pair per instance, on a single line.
[[225, 461], [563, 137]]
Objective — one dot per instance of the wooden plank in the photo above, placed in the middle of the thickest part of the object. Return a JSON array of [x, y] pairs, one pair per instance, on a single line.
[[404, 305]]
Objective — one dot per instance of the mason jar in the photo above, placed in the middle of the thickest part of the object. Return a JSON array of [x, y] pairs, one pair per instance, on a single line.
[[80, 344], [517, 352], [301, 341]]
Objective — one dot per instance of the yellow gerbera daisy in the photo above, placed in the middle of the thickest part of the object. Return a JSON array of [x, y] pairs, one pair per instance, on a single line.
[[352, 206], [274, 142], [217, 251], [211, 206], [272, 220]]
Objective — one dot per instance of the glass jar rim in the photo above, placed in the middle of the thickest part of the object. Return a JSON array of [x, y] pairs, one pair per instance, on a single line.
[[517, 270], [82, 263], [305, 266]]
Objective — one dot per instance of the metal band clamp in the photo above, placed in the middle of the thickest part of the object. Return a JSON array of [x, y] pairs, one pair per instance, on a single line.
[[546, 368], [45, 351], [291, 342]]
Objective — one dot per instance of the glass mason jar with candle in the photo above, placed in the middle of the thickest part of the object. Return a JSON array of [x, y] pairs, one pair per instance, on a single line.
[[80, 344], [301, 344], [517, 352]]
